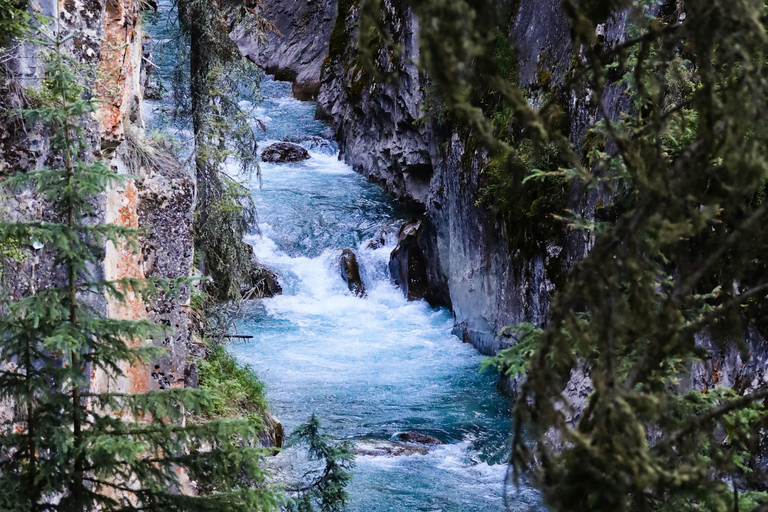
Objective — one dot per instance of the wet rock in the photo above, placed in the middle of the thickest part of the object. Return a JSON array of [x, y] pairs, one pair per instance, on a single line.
[[261, 283], [313, 142], [272, 435], [350, 272], [378, 242], [280, 152], [407, 264], [388, 449], [418, 438]]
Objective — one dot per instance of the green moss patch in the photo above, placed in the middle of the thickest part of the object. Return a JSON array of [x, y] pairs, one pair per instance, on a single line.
[[237, 389]]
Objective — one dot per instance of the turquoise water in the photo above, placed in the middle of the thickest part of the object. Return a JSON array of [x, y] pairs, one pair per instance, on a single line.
[[371, 367]]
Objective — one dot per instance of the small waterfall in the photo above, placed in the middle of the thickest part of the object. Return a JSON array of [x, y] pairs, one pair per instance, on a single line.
[[372, 367]]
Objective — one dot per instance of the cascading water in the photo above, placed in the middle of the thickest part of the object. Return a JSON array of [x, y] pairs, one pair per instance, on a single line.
[[370, 367]]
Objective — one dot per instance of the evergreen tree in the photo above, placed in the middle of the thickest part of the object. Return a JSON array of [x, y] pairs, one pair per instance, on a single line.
[[676, 276], [13, 20], [70, 447], [214, 82], [323, 488]]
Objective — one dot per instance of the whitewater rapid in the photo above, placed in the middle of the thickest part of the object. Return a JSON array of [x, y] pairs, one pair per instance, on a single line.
[[371, 367]]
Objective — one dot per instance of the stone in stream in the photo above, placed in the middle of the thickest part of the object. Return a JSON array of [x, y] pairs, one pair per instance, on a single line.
[[372, 448], [418, 438], [284, 152], [379, 241], [350, 272], [261, 282], [407, 264]]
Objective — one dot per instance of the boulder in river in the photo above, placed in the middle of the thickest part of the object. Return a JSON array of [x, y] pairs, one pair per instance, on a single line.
[[378, 241], [418, 438], [284, 152], [407, 264], [260, 283], [387, 449], [350, 272]]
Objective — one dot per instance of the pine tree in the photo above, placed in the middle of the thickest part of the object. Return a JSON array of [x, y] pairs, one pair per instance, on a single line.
[[72, 448], [323, 488], [214, 81]]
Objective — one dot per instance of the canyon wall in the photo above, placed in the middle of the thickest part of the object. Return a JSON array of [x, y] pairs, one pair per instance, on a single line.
[[158, 199], [460, 253], [294, 47]]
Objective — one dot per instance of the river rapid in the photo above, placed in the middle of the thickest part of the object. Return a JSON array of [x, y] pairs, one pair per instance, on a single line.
[[373, 367], [370, 368]]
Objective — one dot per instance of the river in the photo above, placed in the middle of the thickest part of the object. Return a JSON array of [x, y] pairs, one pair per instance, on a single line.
[[370, 367]]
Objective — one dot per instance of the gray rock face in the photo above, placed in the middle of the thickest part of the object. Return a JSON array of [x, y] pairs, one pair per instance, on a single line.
[[281, 152], [410, 267], [159, 201], [461, 250], [295, 52], [350, 272], [166, 198], [379, 125]]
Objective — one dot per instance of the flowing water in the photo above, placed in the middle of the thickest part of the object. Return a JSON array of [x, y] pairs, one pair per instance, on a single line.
[[371, 367]]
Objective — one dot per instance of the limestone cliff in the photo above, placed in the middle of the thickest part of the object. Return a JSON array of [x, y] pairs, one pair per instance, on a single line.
[[158, 199]]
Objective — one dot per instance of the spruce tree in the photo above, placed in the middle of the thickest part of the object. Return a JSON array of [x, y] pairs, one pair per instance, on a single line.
[[323, 488], [71, 447], [210, 86]]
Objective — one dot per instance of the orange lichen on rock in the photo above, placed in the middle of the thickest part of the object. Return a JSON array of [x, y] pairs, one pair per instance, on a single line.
[[123, 261], [117, 79]]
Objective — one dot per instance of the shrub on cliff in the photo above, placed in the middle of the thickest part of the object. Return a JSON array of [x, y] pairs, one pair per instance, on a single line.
[[13, 21]]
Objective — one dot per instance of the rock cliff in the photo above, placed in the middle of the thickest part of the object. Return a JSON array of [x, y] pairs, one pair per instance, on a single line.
[[159, 198], [463, 249], [297, 44]]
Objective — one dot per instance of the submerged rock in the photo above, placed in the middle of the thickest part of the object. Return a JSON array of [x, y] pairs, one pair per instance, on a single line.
[[418, 438], [284, 152], [388, 449], [350, 272]]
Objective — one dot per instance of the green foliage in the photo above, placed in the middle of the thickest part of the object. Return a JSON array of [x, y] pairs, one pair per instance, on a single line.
[[676, 273], [14, 20], [72, 446], [236, 389], [529, 207], [514, 361], [325, 487], [209, 89]]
